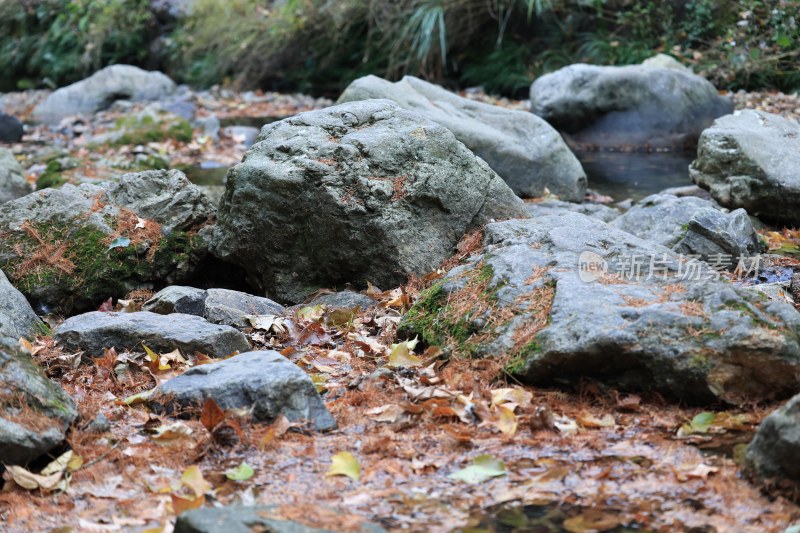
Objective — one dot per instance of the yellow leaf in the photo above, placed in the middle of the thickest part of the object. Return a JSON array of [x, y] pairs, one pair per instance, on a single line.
[[59, 464], [151, 355], [193, 479], [345, 464], [506, 420], [401, 355], [513, 395]]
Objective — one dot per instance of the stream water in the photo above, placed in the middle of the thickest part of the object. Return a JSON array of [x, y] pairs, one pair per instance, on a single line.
[[635, 175]]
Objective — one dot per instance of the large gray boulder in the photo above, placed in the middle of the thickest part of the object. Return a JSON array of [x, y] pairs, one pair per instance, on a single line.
[[242, 519], [629, 106], [523, 149], [751, 159], [772, 455], [12, 180], [34, 412], [264, 382], [17, 318], [363, 191], [101, 89], [92, 332], [219, 306], [567, 297], [692, 226], [71, 248]]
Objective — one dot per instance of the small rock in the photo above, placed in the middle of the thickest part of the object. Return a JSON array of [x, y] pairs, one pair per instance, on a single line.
[[98, 424], [35, 412], [11, 129], [661, 218], [771, 457], [713, 234], [92, 332], [220, 306], [12, 180], [241, 519], [343, 300], [265, 382], [17, 318], [245, 135]]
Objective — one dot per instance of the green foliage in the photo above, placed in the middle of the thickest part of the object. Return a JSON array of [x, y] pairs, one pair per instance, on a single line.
[[319, 46], [56, 42]]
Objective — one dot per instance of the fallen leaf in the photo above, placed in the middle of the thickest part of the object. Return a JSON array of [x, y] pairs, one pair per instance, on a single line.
[[588, 420], [243, 472], [119, 242], [193, 479], [212, 414], [401, 356], [514, 395], [345, 464], [483, 467], [505, 420], [167, 433], [386, 413], [181, 504]]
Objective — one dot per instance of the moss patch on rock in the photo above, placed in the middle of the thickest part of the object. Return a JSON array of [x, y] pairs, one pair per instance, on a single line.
[[463, 316], [86, 264], [147, 128]]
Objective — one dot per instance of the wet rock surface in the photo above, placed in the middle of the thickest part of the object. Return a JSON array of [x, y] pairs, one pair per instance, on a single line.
[[329, 184]]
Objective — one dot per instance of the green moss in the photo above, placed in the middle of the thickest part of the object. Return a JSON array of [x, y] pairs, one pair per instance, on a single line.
[[99, 272], [143, 129], [51, 177]]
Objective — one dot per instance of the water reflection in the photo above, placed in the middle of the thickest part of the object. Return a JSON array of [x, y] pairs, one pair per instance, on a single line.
[[635, 175]]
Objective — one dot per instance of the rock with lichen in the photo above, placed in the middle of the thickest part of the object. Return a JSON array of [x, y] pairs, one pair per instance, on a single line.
[[71, 248], [671, 324]]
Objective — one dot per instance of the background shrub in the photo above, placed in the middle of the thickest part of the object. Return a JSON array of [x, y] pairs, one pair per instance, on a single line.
[[319, 46]]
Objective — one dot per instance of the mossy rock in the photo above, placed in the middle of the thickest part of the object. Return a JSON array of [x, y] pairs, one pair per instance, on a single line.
[[70, 249], [150, 126]]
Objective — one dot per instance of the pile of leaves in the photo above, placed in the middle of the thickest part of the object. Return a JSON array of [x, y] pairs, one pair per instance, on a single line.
[[426, 441]]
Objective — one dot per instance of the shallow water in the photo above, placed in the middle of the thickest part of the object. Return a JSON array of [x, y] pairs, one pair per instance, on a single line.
[[635, 175]]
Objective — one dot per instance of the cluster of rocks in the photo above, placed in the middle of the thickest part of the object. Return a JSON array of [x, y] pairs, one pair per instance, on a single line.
[[382, 187]]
